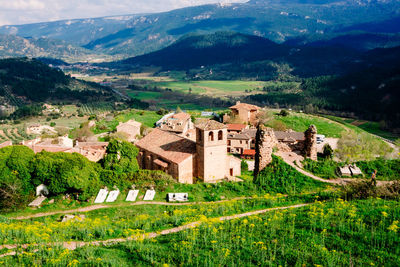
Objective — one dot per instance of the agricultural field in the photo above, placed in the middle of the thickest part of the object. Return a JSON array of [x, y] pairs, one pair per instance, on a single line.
[[220, 88], [95, 108], [16, 134]]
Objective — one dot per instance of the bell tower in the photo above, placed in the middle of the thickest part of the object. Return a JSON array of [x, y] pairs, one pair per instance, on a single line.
[[211, 149]]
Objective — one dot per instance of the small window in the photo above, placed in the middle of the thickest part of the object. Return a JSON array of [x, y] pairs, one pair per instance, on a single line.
[[199, 135], [220, 135], [211, 136], [229, 142]]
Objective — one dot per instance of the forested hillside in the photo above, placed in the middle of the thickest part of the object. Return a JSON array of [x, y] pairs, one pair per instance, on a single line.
[[24, 81]]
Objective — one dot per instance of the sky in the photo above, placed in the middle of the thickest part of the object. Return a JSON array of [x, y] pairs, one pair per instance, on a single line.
[[31, 11]]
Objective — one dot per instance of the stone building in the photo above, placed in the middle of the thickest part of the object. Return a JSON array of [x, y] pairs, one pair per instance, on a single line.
[[238, 143], [131, 128], [184, 159], [245, 113]]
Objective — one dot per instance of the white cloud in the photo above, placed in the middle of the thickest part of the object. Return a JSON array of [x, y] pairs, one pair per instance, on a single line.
[[30, 11]]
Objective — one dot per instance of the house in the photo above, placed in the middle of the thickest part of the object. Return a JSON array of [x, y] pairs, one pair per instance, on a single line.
[[246, 113], [131, 128], [93, 151], [178, 123], [185, 159], [237, 143], [236, 127]]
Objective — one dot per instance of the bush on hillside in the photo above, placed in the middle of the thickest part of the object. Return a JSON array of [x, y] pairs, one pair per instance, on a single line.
[[145, 179], [66, 173], [387, 169], [280, 177], [364, 190], [15, 176], [357, 147]]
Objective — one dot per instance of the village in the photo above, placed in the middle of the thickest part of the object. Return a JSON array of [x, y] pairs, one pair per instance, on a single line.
[[192, 150]]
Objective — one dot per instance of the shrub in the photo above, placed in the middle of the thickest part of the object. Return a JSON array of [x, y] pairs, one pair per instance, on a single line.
[[145, 179], [284, 113], [244, 166], [327, 152]]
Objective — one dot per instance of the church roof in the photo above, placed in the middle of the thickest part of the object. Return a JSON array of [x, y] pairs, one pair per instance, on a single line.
[[167, 145]]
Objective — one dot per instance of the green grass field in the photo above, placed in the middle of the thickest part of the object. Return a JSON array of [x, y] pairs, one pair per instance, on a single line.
[[300, 122], [367, 126]]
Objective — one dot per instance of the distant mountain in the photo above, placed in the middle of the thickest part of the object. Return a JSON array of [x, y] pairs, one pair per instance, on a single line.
[[24, 81], [242, 55], [15, 46], [76, 31], [276, 20]]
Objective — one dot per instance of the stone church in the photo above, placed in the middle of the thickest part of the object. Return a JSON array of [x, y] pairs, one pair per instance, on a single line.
[[184, 159]]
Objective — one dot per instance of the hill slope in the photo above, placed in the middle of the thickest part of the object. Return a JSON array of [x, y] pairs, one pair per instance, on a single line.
[[15, 46], [24, 81]]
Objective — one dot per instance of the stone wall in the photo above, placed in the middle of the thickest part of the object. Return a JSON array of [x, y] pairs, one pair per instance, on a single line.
[[310, 143], [265, 143]]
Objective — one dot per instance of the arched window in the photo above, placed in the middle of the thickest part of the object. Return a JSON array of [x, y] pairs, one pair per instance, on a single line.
[[220, 135], [211, 136]]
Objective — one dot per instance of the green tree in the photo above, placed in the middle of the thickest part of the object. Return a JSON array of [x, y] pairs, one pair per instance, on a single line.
[[15, 176], [66, 173], [119, 161]]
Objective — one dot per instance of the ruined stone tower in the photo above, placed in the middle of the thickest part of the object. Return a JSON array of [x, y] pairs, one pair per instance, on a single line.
[[265, 143], [310, 143]]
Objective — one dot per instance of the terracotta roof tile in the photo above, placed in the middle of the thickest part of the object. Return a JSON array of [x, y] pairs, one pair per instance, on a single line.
[[249, 152], [181, 116], [236, 127], [167, 145], [245, 106], [207, 125]]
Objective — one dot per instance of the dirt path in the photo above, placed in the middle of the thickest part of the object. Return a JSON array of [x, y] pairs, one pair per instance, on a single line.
[[74, 245], [102, 206]]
